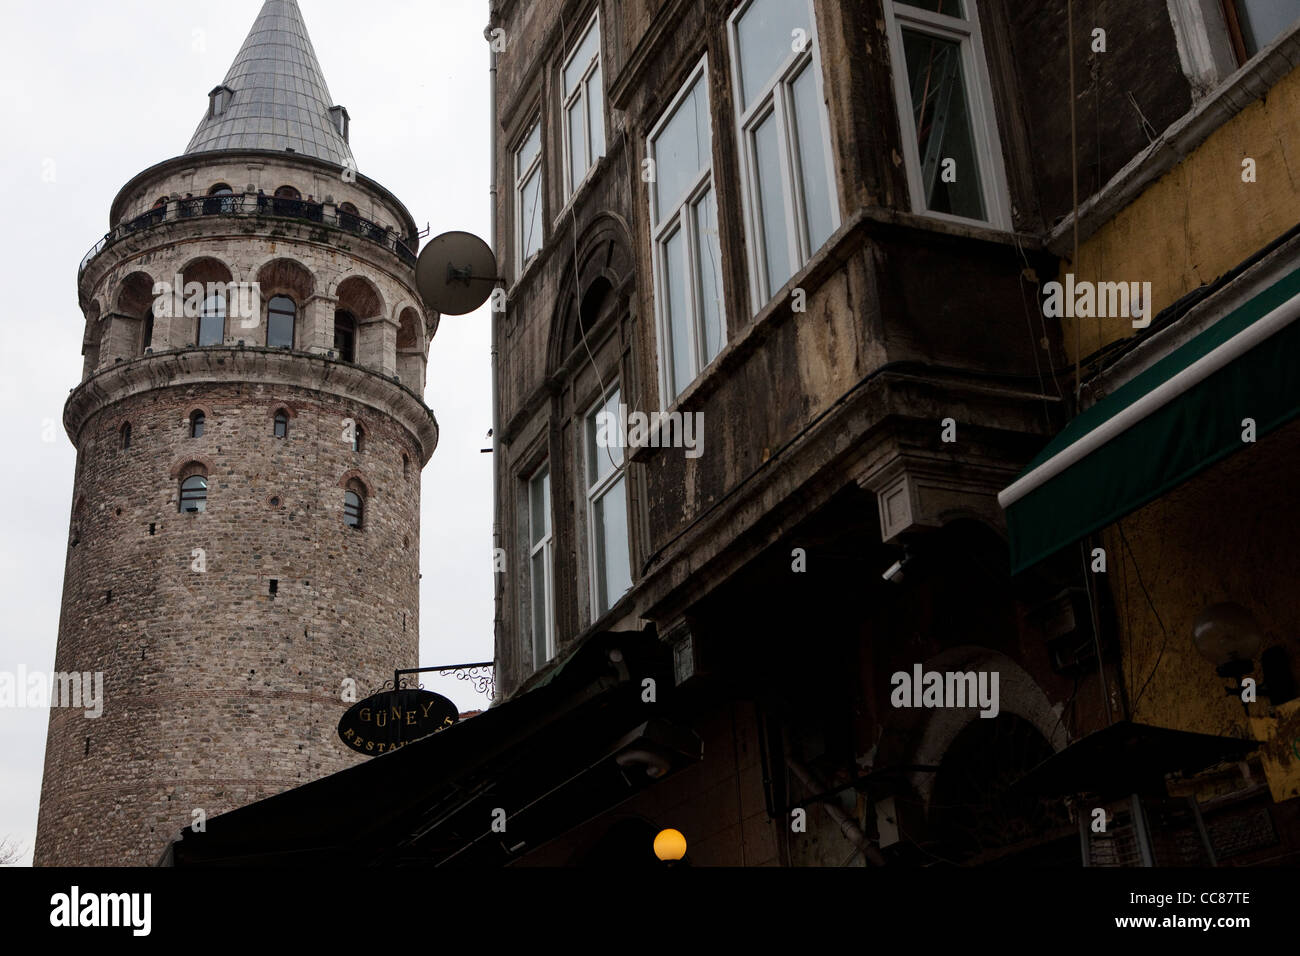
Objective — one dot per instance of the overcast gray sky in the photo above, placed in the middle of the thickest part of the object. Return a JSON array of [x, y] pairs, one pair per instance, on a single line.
[[93, 93]]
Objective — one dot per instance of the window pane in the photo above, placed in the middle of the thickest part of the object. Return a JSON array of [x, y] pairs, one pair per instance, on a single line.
[[531, 220], [540, 498], [596, 115], [943, 129], [682, 149], [708, 267], [951, 8], [604, 444], [577, 146], [771, 204], [811, 149], [577, 67], [212, 323], [1263, 20], [538, 574], [678, 315], [614, 567], [528, 152], [766, 41], [279, 323], [194, 494]]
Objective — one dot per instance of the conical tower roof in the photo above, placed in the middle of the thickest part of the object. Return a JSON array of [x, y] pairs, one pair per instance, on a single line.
[[279, 100]]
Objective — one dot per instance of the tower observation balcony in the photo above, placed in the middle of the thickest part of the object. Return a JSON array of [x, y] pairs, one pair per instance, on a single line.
[[258, 205]]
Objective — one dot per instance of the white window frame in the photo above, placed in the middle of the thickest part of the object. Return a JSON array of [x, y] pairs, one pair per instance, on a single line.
[[594, 493], [777, 96], [662, 229], [545, 546], [579, 94], [979, 99], [522, 178]]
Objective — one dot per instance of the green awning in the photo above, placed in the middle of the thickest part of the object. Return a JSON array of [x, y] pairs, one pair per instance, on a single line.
[[1163, 426]]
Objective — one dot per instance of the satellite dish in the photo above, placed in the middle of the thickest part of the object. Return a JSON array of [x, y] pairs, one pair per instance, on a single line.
[[455, 273]]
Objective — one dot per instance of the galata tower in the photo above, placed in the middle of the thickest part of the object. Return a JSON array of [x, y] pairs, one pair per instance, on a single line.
[[250, 433]]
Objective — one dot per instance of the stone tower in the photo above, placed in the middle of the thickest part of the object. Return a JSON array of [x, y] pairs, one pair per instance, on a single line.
[[246, 507]]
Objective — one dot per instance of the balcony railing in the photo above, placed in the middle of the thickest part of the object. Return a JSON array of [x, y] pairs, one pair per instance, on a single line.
[[259, 205]]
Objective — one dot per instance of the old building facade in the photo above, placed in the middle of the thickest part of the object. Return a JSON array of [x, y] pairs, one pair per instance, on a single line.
[[250, 434], [812, 241]]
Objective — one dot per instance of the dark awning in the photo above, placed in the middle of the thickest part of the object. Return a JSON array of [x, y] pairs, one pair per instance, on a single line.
[[1127, 758], [550, 758], [1162, 427]]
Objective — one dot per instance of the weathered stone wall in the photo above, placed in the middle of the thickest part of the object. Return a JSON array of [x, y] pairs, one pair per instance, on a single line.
[[218, 692]]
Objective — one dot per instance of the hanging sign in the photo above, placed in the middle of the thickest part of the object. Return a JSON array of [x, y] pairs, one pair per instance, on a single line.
[[394, 718]]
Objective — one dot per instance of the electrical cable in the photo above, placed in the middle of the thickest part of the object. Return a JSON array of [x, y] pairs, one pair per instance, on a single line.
[[1138, 571]]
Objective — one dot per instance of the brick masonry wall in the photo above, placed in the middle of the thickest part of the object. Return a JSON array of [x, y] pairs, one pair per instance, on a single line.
[[217, 693]]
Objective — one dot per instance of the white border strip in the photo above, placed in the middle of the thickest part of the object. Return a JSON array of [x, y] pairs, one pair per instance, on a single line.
[[1194, 374]]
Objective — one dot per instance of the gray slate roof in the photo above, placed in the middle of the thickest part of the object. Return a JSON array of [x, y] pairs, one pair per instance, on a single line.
[[280, 100]]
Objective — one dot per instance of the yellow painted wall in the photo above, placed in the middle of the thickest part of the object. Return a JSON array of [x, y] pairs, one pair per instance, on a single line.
[[1226, 535], [1199, 219]]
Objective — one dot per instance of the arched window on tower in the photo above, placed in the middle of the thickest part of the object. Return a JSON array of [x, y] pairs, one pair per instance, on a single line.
[[212, 321], [194, 489], [197, 421], [287, 202], [282, 424], [126, 436], [280, 317], [354, 504], [358, 438], [345, 336], [349, 216], [221, 199]]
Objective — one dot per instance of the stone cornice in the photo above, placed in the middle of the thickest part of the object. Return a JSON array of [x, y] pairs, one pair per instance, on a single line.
[[219, 365]]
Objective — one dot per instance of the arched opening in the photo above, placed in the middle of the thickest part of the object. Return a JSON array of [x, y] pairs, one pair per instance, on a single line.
[[349, 217], [410, 350], [360, 299], [135, 308], [280, 426], [198, 422], [358, 438], [345, 336], [287, 201], [285, 285], [975, 816], [408, 336], [211, 308], [125, 433], [221, 200]]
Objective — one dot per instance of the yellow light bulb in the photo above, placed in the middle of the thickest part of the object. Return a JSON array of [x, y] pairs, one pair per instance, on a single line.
[[670, 845]]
